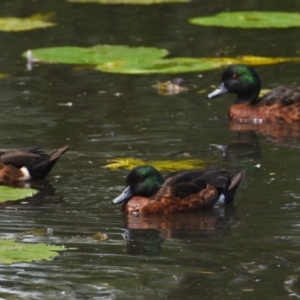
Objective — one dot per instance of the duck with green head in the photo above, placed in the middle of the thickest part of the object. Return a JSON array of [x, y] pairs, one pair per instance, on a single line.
[[281, 104], [148, 192]]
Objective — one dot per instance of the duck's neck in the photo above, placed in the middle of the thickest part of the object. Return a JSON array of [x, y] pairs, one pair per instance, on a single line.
[[251, 97]]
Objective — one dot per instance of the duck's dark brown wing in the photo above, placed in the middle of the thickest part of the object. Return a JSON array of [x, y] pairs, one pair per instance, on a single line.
[[183, 184], [284, 95], [19, 158]]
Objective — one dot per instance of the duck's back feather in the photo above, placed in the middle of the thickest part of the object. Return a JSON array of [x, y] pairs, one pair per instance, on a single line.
[[182, 184], [285, 95]]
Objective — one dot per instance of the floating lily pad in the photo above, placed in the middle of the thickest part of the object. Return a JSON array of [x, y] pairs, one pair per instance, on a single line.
[[184, 64], [22, 24], [100, 237], [11, 193], [14, 252], [250, 19], [167, 165], [134, 2], [141, 60], [99, 54]]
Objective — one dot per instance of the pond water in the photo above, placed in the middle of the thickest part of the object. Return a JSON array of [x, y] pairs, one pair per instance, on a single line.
[[246, 251]]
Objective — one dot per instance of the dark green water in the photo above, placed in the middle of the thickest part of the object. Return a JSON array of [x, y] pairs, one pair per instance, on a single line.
[[250, 250]]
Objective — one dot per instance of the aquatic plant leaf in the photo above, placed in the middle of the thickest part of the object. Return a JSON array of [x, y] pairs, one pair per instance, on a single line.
[[141, 60], [250, 19], [135, 2], [23, 24], [184, 64], [263, 92], [14, 252], [8, 193], [167, 165], [110, 55], [100, 237]]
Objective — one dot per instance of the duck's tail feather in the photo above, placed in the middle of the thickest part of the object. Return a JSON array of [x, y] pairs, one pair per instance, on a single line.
[[233, 186], [237, 180], [41, 167]]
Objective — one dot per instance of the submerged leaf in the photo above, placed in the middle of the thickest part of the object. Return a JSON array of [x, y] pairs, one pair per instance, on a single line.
[[250, 19], [142, 60], [167, 165], [14, 252], [22, 24], [135, 2], [100, 237], [11, 193], [171, 87]]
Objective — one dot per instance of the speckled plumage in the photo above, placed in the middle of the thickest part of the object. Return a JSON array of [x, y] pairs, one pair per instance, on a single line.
[[147, 192]]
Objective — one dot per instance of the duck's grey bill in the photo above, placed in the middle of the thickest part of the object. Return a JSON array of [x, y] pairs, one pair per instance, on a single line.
[[219, 91], [125, 195]]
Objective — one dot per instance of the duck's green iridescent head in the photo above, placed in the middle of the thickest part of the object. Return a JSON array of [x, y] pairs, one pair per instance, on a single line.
[[141, 181], [241, 80]]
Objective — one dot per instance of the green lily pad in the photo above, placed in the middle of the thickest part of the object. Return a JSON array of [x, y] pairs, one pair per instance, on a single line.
[[250, 19], [23, 24], [99, 54], [165, 165], [178, 65], [8, 193], [135, 2], [14, 252], [141, 60]]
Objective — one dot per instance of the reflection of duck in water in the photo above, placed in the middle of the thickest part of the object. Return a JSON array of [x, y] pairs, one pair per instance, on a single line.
[[148, 192], [143, 242], [27, 164], [145, 234], [273, 130], [245, 145], [281, 104]]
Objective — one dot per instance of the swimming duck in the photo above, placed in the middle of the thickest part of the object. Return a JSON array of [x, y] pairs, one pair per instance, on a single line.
[[148, 192], [27, 164], [281, 104]]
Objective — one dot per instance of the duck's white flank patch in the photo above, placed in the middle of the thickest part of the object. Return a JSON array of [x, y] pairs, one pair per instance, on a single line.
[[254, 121], [220, 201], [26, 175]]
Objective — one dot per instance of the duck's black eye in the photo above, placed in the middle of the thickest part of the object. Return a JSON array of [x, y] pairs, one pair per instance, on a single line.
[[142, 179], [234, 76]]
